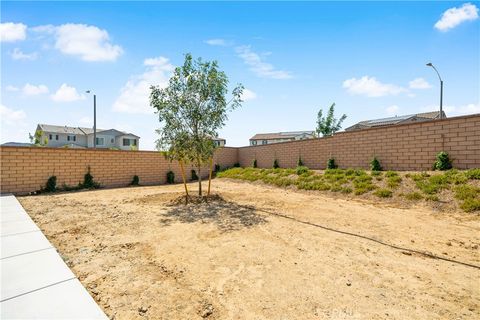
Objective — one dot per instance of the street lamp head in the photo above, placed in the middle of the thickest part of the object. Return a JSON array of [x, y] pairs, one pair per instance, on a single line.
[[88, 91], [429, 64]]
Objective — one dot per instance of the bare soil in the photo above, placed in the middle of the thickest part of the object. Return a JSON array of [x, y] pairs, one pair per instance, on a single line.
[[143, 254]]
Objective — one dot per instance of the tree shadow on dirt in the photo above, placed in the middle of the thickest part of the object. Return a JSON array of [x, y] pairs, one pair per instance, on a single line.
[[226, 215]]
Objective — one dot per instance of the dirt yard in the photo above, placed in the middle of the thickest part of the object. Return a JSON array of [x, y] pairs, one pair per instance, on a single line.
[[141, 257]]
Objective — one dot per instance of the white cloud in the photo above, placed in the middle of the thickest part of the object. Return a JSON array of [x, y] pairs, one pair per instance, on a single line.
[[10, 32], [455, 16], [134, 96], [248, 95], [419, 83], [17, 54], [90, 43], [66, 94], [10, 116], [218, 42], [371, 87], [392, 110], [86, 121], [33, 90], [258, 66], [452, 110], [11, 88]]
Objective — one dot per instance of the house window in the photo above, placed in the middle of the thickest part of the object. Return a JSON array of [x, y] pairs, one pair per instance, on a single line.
[[71, 138], [264, 142], [56, 137], [112, 140], [129, 142], [100, 141], [254, 142], [50, 137]]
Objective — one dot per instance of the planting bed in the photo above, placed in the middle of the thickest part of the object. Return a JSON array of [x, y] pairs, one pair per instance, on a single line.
[[262, 252]]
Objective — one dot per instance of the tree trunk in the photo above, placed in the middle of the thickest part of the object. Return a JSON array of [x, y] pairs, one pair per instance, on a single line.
[[184, 181], [199, 179], [210, 176]]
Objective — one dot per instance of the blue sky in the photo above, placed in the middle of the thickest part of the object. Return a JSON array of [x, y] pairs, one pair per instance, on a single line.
[[294, 58]]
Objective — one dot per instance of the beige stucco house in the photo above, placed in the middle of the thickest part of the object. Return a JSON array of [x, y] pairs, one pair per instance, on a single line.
[[78, 137], [269, 138]]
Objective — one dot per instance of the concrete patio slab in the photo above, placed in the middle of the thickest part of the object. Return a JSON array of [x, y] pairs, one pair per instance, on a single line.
[[31, 272], [35, 281], [16, 227], [23, 243], [66, 300]]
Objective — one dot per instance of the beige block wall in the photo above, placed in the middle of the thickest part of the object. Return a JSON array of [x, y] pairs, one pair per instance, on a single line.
[[410, 146], [25, 169]]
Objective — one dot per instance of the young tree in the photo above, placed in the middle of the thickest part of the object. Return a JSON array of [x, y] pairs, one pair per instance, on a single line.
[[36, 139], [192, 108], [326, 126]]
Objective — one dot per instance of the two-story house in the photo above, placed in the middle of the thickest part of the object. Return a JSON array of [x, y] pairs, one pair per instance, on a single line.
[[269, 138], [79, 137]]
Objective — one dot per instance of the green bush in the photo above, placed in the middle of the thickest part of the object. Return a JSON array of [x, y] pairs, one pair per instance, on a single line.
[[442, 162], [89, 182], [275, 164], [300, 162], [51, 185], [470, 205], [217, 168], [171, 177], [194, 175], [414, 196], [467, 191], [254, 164], [331, 164], [236, 165], [473, 174], [375, 165], [135, 180], [394, 181], [301, 170], [383, 193]]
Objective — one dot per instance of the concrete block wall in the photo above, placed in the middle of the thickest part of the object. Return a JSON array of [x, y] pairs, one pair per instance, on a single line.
[[410, 146], [25, 169]]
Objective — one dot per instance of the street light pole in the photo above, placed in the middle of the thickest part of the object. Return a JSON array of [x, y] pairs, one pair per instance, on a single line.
[[441, 88], [94, 119]]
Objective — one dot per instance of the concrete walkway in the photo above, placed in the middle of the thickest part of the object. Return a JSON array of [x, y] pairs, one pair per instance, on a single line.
[[35, 282]]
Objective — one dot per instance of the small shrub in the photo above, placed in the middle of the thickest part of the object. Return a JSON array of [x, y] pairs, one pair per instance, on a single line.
[[170, 177], [473, 174], [376, 173], [236, 165], [362, 187], [135, 180], [194, 175], [331, 164], [466, 191], [383, 193], [275, 164], [442, 162], [51, 185], [432, 197], [394, 181], [88, 182], [391, 174], [300, 162], [349, 172], [254, 164], [375, 165], [414, 196], [470, 205], [217, 168], [301, 170], [346, 190]]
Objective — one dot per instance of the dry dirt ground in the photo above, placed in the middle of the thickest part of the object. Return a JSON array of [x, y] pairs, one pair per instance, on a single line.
[[140, 256]]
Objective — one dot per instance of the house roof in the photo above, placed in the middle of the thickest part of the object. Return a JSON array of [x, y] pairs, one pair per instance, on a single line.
[[78, 130], [280, 135], [17, 144], [396, 120], [218, 139]]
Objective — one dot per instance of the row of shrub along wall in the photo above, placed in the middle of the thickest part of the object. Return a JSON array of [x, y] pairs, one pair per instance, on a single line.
[[25, 169], [402, 147]]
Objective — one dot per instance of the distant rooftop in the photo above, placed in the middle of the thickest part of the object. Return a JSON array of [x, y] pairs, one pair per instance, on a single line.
[[280, 135], [425, 116], [76, 130]]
